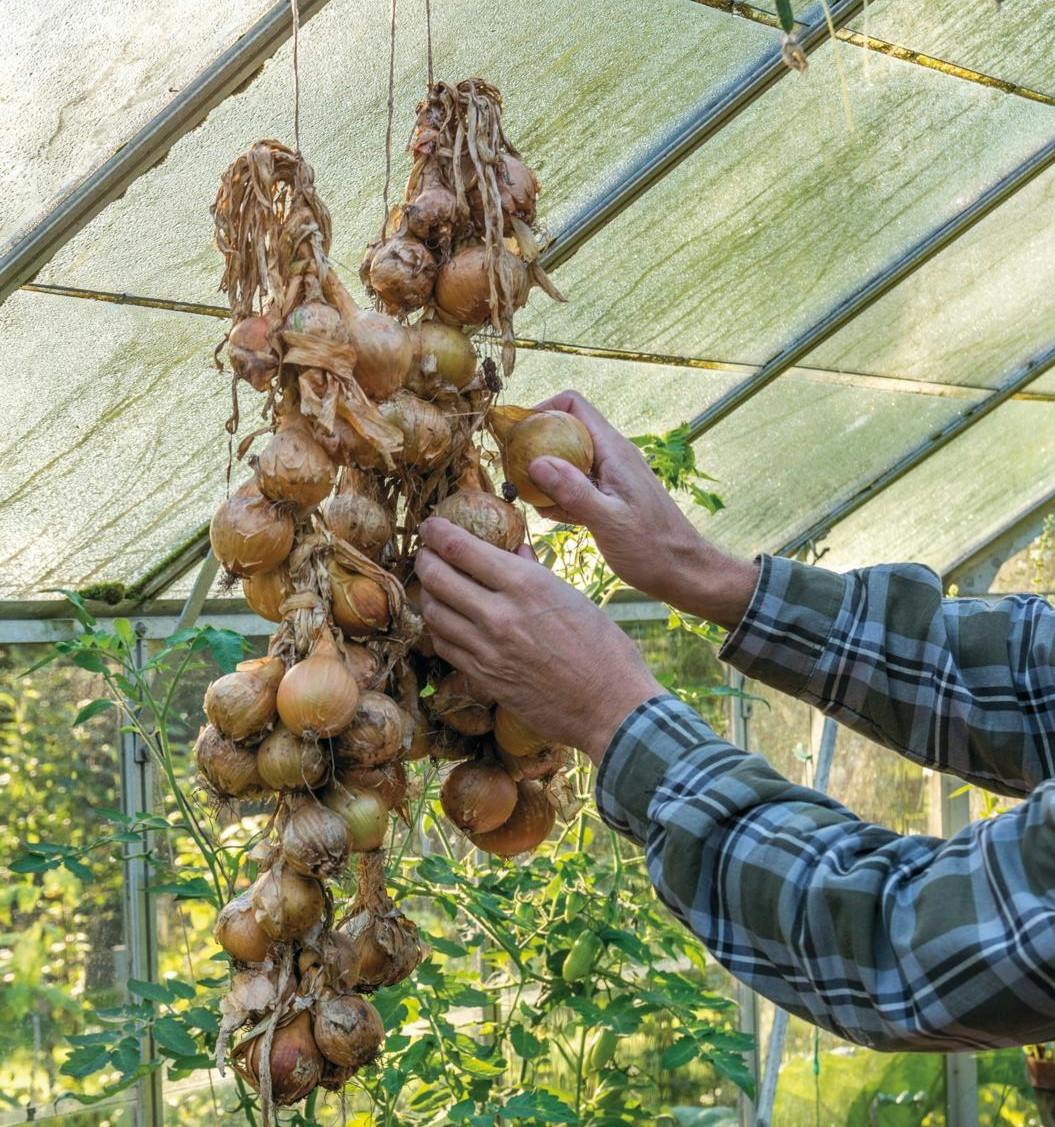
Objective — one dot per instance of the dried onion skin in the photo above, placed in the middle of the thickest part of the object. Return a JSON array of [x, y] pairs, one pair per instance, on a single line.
[[526, 828], [249, 534], [486, 516]]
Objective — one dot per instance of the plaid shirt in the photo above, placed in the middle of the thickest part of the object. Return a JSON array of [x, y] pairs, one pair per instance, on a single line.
[[893, 942]]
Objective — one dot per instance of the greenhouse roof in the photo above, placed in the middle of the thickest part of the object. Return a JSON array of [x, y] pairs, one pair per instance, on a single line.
[[845, 279]]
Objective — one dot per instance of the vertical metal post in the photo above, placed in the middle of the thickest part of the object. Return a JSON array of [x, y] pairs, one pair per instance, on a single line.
[[747, 999], [137, 791]]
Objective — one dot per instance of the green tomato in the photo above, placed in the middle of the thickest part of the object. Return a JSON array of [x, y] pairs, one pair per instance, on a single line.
[[574, 903], [602, 1050], [580, 958]]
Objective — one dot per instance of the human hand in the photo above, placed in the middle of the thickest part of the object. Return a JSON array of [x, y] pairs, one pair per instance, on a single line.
[[643, 535], [527, 639]]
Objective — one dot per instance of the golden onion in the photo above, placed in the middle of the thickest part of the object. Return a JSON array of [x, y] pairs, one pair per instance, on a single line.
[[250, 535]]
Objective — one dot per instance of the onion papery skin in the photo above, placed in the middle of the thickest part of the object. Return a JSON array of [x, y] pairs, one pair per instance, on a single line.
[[431, 216], [348, 1030], [527, 827], [376, 735], [542, 764], [384, 352], [295, 1060], [241, 704], [359, 521], [517, 190], [318, 696], [363, 812], [514, 736], [314, 317], [362, 663], [265, 593], [463, 292], [360, 604], [448, 745], [251, 354], [230, 770], [287, 905], [426, 431], [334, 1078], [544, 433], [485, 515], [314, 839], [286, 762], [388, 781], [478, 796], [402, 274], [423, 643], [250, 535], [454, 705], [444, 359], [293, 467], [238, 932]]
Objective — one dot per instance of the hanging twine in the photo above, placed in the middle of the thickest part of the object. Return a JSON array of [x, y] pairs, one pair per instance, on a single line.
[[428, 36], [296, 75], [391, 111]]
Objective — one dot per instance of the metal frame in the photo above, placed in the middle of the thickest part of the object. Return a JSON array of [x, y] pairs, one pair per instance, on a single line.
[[226, 74]]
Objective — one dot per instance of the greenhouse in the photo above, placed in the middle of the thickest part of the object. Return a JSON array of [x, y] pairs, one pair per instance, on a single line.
[[800, 253]]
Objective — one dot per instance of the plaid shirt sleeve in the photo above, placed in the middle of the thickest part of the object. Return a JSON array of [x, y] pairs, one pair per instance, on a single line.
[[960, 685], [892, 942]]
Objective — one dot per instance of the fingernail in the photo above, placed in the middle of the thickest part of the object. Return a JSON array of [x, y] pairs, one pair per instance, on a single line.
[[543, 472]]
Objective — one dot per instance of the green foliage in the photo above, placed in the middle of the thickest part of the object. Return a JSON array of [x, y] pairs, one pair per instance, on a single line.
[[673, 461]]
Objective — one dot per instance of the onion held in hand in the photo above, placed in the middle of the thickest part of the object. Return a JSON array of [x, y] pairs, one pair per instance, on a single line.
[[360, 604], [265, 593], [242, 704], [249, 535], [445, 358], [318, 696], [526, 828], [295, 1061], [478, 796], [484, 515], [231, 771], [463, 290], [293, 467], [554, 434]]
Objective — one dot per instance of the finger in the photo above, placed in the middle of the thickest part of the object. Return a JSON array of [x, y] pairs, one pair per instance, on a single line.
[[557, 514], [572, 490], [445, 622], [527, 552], [461, 659], [485, 563], [447, 584]]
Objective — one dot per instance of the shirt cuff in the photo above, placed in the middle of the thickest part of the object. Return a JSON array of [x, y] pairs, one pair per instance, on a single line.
[[787, 625], [649, 741]]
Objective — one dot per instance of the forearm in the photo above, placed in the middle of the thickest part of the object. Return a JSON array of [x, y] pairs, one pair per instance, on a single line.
[[709, 583]]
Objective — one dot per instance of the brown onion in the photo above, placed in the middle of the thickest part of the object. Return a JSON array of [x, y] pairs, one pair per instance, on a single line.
[[377, 733], [446, 744], [295, 1061], [517, 191], [318, 696], [249, 535], [238, 932], [363, 812], [314, 839], [265, 593], [478, 796], [251, 354], [454, 704], [542, 764], [286, 762], [426, 431], [348, 1030], [402, 273], [431, 216], [358, 520], [463, 290], [525, 829], [230, 770], [423, 643], [444, 356], [286, 904], [514, 736], [242, 704], [334, 1078], [293, 467], [314, 317], [360, 604], [388, 781], [362, 663], [551, 433], [485, 516], [384, 352]]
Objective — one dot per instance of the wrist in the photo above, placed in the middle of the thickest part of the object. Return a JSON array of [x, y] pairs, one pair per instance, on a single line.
[[613, 709], [711, 584]]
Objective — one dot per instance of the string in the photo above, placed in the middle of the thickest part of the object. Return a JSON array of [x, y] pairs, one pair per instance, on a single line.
[[428, 35], [296, 75], [391, 111]]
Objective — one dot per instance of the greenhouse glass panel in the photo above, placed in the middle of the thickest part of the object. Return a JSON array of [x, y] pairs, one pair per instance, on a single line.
[[80, 79], [587, 88]]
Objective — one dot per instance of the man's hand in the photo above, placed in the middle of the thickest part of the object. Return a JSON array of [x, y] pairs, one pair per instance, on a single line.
[[529, 640], [642, 534]]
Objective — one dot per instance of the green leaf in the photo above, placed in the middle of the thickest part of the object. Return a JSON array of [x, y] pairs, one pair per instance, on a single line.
[[126, 1056], [787, 16], [152, 990], [732, 1067], [171, 1034], [86, 659], [525, 1043], [227, 647], [435, 869], [83, 1062], [446, 947], [123, 629], [541, 1106], [680, 1053], [180, 989], [33, 864], [77, 868], [92, 709]]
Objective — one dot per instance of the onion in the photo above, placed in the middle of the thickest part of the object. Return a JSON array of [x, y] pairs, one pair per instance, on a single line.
[[402, 273], [348, 1030], [431, 216], [478, 796], [553, 433], [463, 291], [293, 466], [358, 520], [314, 317], [230, 770], [365, 815], [319, 695], [426, 431], [388, 781], [377, 733], [444, 743], [542, 764], [286, 762], [526, 828], [360, 604], [295, 1061], [248, 534], [454, 704], [419, 743], [251, 353], [445, 358], [265, 593], [242, 704], [485, 516], [384, 352], [314, 839], [238, 932], [362, 663], [334, 1078], [286, 904], [423, 643], [513, 735]]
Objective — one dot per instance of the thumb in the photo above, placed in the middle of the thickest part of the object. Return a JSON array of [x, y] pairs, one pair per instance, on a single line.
[[570, 489]]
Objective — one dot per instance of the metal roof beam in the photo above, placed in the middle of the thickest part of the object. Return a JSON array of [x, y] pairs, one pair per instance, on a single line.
[[707, 121], [1019, 379], [226, 74], [875, 288]]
